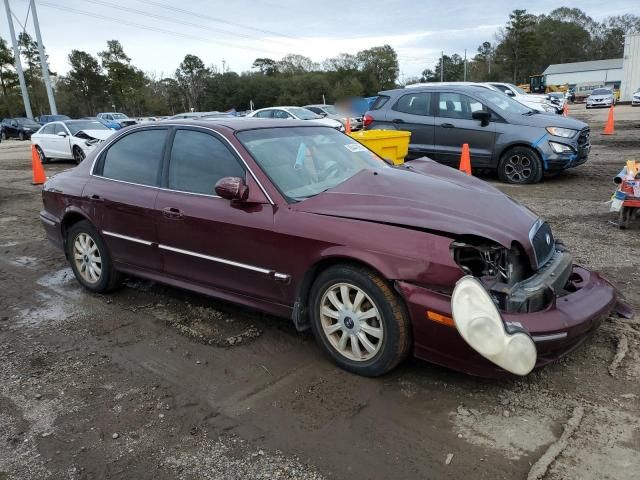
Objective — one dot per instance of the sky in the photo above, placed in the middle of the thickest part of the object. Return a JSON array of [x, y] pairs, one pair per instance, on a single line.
[[157, 34]]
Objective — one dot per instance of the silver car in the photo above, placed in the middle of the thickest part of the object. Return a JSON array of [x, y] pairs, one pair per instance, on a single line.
[[635, 100], [601, 97], [330, 111]]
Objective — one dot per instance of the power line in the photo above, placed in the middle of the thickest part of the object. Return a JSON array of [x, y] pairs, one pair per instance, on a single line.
[[144, 13], [153, 29], [214, 19]]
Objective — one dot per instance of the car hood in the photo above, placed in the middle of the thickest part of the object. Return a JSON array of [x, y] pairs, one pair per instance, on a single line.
[[544, 120], [99, 134], [429, 196], [327, 121]]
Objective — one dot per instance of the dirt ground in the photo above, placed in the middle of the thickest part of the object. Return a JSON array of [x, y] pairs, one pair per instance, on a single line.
[[154, 382]]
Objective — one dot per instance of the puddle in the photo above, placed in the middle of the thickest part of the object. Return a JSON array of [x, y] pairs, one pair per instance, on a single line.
[[50, 309], [516, 435], [8, 244]]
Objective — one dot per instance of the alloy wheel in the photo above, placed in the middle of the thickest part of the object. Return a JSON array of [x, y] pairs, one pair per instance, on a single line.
[[518, 168], [86, 256], [78, 154], [351, 322]]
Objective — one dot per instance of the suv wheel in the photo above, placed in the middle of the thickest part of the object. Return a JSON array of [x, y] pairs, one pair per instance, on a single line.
[[359, 320], [520, 165]]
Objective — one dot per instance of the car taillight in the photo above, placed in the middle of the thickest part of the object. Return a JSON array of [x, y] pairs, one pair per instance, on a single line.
[[367, 120]]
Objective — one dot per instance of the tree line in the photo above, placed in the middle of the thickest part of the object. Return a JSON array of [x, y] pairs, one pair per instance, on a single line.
[[526, 45]]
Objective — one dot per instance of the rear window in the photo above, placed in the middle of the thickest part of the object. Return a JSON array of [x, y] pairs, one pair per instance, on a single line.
[[136, 157], [379, 103], [414, 103]]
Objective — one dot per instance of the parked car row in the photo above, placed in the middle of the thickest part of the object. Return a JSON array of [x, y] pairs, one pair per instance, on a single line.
[[20, 128]]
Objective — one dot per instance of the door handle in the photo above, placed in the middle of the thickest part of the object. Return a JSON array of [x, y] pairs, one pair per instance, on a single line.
[[397, 120], [447, 125], [173, 213], [96, 198]]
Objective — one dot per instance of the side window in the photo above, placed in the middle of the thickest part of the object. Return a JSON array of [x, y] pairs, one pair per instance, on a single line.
[[502, 88], [48, 129], [136, 157], [108, 117], [414, 103], [57, 128], [281, 114], [315, 110], [265, 114], [456, 105], [198, 161]]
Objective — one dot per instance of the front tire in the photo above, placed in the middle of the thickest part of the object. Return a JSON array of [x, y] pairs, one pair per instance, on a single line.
[[21, 136], [78, 154], [43, 158], [90, 259], [520, 165], [359, 321]]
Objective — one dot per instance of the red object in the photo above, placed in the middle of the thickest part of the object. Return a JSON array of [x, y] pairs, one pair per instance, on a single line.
[[367, 120], [465, 159], [39, 176], [347, 126], [565, 109], [608, 127], [264, 250]]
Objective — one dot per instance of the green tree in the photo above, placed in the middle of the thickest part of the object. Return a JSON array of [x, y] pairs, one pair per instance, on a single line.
[[8, 77], [517, 44], [266, 66], [86, 78], [192, 76], [295, 64], [125, 83], [379, 67]]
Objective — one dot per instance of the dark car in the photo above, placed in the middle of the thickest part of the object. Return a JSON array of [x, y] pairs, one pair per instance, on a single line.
[[503, 135], [44, 119], [300, 221], [20, 128]]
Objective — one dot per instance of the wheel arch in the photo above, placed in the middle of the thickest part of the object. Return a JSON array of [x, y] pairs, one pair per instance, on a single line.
[[300, 315], [69, 219]]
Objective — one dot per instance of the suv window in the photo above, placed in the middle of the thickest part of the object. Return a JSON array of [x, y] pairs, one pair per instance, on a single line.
[[379, 102], [48, 129], [198, 161], [414, 103], [265, 114], [135, 157], [457, 105]]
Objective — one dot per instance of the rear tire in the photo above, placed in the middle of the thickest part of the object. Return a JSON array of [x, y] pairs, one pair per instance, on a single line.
[[21, 136], [90, 259], [520, 166], [352, 305]]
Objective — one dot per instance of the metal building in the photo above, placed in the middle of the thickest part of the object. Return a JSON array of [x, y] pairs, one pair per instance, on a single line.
[[607, 72], [631, 68]]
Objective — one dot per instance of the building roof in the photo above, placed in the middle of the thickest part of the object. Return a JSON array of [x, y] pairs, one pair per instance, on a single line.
[[611, 64]]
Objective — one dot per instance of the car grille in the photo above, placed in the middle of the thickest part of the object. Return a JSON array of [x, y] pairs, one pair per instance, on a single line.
[[584, 139], [543, 243]]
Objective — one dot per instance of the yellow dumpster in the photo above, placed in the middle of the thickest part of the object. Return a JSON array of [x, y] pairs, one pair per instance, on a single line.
[[390, 144]]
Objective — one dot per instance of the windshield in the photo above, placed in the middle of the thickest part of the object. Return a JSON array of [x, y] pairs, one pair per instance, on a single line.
[[303, 113], [502, 103], [331, 110], [75, 126], [518, 89], [119, 116], [601, 91], [305, 161], [26, 122]]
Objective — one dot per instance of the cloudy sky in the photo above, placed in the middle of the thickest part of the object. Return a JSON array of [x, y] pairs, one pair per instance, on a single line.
[[157, 34]]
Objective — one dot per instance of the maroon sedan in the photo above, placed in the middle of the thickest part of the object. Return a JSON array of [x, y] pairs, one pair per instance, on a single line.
[[300, 221]]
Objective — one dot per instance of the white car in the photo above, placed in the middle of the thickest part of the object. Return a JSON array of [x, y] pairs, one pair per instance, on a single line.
[[601, 97], [635, 100], [70, 139], [297, 113], [534, 101]]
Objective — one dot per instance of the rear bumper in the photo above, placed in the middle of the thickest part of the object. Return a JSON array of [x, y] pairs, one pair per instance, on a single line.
[[51, 226], [557, 330]]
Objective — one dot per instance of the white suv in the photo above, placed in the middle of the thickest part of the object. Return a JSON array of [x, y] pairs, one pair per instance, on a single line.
[[534, 101]]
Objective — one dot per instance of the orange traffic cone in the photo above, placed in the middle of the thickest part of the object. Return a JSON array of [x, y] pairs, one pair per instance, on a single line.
[[608, 127], [36, 166], [565, 109], [347, 126], [465, 159]]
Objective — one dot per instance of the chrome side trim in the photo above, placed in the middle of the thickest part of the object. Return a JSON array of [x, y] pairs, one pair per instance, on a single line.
[[106, 144], [217, 259], [548, 338], [124, 237]]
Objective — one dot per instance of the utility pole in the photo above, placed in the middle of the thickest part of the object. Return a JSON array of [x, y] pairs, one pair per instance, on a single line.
[[465, 64], [43, 60], [16, 53], [441, 66]]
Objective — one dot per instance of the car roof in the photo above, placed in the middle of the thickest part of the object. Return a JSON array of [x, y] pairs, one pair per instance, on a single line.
[[453, 86], [318, 105], [239, 123]]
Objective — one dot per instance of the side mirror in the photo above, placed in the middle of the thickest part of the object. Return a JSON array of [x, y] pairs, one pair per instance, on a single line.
[[324, 114], [510, 93], [62, 134], [483, 115], [232, 188]]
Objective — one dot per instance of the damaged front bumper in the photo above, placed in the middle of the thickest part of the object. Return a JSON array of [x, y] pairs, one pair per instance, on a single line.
[[567, 321]]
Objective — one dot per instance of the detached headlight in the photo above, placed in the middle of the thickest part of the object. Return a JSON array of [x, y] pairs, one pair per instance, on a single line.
[[561, 132], [479, 323], [560, 147]]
